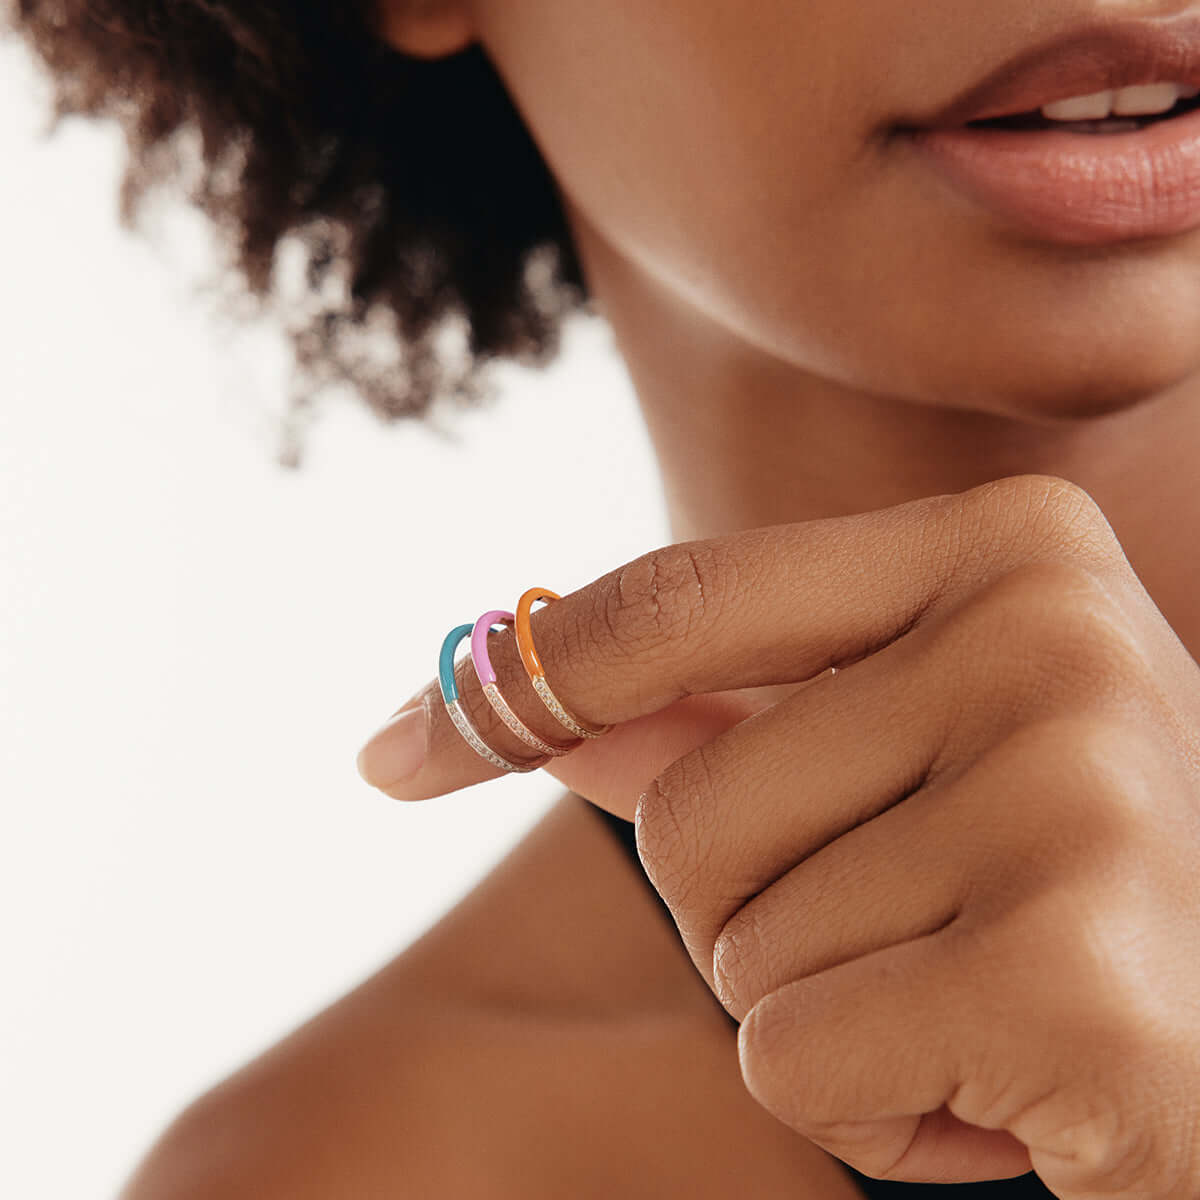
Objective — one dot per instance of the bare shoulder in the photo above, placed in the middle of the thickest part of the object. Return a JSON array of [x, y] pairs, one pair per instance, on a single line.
[[548, 1037]]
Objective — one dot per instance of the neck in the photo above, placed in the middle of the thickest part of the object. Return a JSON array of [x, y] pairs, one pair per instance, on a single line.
[[745, 440]]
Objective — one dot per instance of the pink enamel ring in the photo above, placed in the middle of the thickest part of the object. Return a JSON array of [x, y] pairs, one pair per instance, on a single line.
[[487, 677]]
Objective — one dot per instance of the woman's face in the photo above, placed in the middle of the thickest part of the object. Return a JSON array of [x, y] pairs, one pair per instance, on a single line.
[[742, 153]]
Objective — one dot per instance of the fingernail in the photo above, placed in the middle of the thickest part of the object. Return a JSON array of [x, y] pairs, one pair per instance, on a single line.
[[395, 751]]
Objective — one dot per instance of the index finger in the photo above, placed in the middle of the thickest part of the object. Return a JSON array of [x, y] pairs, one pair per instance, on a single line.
[[769, 606]]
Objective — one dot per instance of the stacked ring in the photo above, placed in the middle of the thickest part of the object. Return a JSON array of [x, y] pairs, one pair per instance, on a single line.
[[487, 677], [478, 632], [537, 673], [456, 714]]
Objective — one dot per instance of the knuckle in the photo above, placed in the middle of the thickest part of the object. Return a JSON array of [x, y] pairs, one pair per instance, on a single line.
[[659, 599], [1072, 1135], [742, 972], [671, 824], [794, 1086], [1058, 626], [1101, 754], [1134, 1156], [764, 1038], [1095, 801], [1035, 514]]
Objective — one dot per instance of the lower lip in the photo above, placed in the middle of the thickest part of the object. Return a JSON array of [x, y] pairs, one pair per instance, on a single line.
[[1083, 189]]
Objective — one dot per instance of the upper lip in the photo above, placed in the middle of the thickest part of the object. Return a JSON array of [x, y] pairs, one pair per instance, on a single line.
[[1094, 58]]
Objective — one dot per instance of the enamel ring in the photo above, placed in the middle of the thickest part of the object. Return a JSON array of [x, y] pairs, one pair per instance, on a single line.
[[498, 618], [537, 673], [456, 714]]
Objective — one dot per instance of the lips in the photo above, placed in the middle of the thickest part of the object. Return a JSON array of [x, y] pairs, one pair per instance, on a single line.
[[1094, 58]]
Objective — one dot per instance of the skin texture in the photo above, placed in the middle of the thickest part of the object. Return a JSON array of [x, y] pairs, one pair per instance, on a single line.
[[817, 327]]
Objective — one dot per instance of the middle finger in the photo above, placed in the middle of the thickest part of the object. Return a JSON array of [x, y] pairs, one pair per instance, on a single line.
[[725, 821]]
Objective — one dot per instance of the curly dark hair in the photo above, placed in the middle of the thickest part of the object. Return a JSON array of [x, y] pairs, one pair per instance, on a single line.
[[412, 186]]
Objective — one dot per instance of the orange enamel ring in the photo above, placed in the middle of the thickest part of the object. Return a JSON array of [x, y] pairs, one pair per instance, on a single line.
[[537, 673]]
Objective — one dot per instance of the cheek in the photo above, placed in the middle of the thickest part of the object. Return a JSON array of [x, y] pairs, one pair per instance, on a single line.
[[701, 140], [730, 150]]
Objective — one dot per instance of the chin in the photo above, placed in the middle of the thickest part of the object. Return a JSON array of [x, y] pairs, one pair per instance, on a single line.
[[1072, 408], [1075, 403], [1062, 378]]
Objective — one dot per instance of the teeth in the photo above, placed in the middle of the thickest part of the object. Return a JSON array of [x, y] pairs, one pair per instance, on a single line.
[[1095, 107], [1139, 101], [1147, 98]]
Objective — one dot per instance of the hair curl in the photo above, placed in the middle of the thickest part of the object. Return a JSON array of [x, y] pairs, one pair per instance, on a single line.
[[413, 186]]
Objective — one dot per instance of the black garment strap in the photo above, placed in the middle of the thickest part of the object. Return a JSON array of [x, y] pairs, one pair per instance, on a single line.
[[1024, 1187]]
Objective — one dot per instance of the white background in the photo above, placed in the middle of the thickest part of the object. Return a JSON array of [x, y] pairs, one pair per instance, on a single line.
[[194, 641]]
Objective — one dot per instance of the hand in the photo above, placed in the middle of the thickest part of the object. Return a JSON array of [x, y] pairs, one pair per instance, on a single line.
[[953, 890]]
